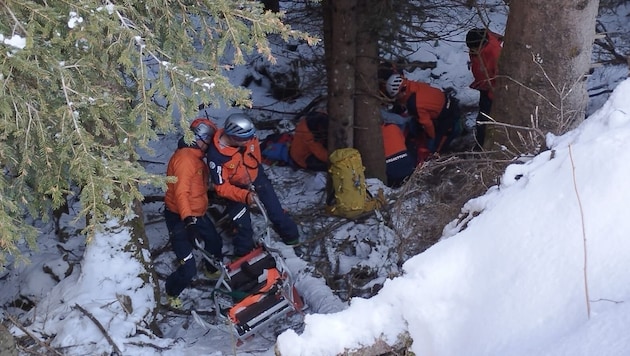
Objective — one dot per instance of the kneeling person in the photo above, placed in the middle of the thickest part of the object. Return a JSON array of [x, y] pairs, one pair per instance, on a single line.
[[235, 167], [398, 163]]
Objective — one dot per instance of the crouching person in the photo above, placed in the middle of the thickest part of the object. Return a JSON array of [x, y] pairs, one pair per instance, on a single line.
[[186, 203], [235, 167], [436, 112], [398, 163], [309, 148]]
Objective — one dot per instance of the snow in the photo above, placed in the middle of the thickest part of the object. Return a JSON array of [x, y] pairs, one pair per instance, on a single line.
[[540, 271], [537, 266], [14, 41]]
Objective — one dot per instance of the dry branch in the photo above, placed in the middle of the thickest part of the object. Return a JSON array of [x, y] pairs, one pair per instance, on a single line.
[[101, 328], [35, 338]]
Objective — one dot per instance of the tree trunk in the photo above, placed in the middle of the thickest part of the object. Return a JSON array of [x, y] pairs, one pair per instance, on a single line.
[[139, 244], [542, 71], [272, 5], [7, 343], [340, 56], [368, 138]]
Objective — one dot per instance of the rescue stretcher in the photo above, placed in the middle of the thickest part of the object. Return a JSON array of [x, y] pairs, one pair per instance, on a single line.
[[259, 286]]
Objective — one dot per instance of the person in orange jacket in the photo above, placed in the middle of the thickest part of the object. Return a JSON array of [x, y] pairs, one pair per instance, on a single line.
[[237, 174], [484, 51], [308, 148], [186, 202], [398, 163], [436, 113]]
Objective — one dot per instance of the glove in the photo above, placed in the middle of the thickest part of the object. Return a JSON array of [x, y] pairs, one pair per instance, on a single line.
[[191, 228], [251, 199]]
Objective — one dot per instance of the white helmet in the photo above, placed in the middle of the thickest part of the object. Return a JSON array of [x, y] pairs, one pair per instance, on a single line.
[[393, 84], [239, 126]]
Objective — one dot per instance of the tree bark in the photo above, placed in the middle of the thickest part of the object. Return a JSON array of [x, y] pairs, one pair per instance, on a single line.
[[272, 5], [368, 138], [340, 57], [542, 71]]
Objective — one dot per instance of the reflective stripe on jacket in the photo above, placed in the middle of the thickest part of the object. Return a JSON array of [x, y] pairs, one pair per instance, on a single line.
[[233, 169], [393, 140]]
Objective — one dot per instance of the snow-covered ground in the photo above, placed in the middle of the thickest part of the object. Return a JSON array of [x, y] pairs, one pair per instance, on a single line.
[[542, 270]]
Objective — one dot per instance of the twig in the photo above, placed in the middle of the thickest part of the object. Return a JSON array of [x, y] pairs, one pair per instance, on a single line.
[[608, 45], [100, 327], [145, 344], [325, 231], [577, 194], [150, 162], [17, 23], [502, 124], [37, 340], [152, 199]]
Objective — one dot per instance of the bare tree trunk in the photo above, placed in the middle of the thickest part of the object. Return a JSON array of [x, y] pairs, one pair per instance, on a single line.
[[542, 72], [140, 245], [368, 138], [340, 56], [272, 5]]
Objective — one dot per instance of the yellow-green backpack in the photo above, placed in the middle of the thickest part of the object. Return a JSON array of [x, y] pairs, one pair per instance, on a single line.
[[350, 197]]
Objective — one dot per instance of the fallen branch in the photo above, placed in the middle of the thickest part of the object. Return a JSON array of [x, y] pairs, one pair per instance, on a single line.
[[584, 247], [152, 199], [35, 338], [145, 344], [101, 328]]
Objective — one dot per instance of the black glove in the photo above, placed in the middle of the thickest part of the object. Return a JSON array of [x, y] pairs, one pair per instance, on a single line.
[[191, 228]]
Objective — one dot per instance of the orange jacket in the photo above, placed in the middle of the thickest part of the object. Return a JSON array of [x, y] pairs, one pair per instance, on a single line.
[[393, 140], [189, 195], [304, 144], [429, 103], [484, 64], [233, 169]]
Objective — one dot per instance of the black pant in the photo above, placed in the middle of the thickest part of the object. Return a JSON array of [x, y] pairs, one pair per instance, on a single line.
[[182, 246]]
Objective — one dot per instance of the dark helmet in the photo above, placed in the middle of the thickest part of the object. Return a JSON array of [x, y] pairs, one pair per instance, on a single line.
[[476, 38], [203, 129], [239, 126]]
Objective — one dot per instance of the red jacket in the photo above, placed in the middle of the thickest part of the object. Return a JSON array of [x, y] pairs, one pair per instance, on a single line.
[[393, 140], [233, 169], [484, 64], [304, 144], [189, 195], [429, 103]]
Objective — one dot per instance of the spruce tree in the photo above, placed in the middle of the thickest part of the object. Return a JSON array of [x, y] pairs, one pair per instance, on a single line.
[[84, 84]]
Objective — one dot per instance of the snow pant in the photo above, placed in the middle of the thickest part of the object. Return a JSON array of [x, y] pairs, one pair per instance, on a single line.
[[485, 104], [398, 167], [314, 164], [183, 248], [243, 240], [447, 126], [282, 222]]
